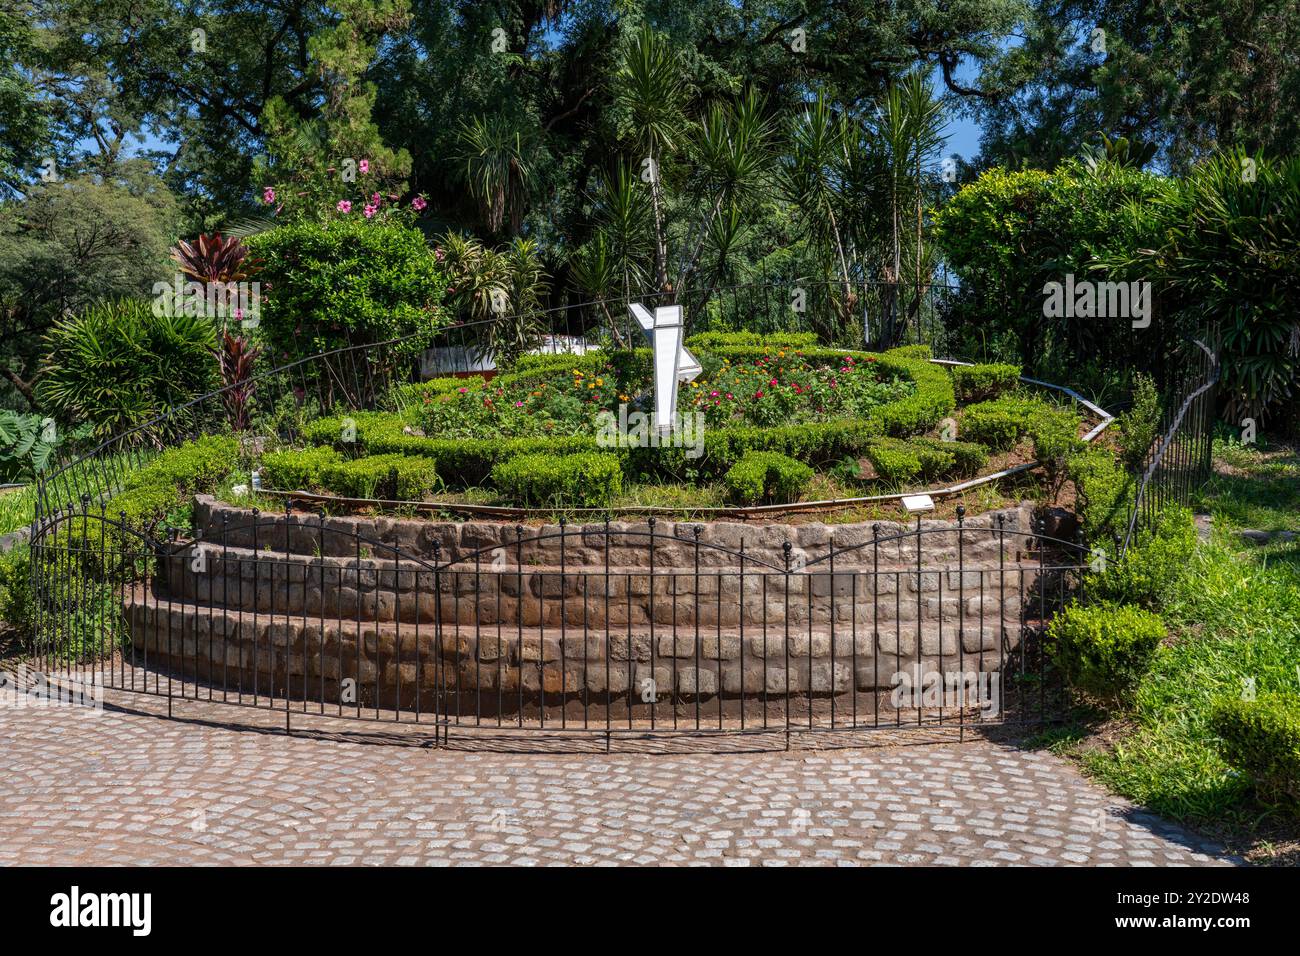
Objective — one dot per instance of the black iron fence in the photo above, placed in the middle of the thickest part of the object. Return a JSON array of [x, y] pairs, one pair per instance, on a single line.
[[605, 629], [1179, 461]]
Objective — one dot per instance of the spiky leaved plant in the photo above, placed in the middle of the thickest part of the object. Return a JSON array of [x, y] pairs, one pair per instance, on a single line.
[[236, 357], [214, 258]]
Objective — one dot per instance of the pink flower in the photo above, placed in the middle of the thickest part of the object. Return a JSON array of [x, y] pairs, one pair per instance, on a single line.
[[369, 211], [758, 394], [344, 206], [268, 195], [374, 198], [772, 383], [364, 165], [418, 205], [463, 390], [519, 404]]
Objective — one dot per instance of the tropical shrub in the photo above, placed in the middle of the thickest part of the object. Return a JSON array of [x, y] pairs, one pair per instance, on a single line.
[[347, 282], [393, 477], [499, 290], [1261, 738], [975, 383], [578, 480], [1104, 649], [26, 444], [1225, 253], [297, 469], [770, 477], [117, 366]]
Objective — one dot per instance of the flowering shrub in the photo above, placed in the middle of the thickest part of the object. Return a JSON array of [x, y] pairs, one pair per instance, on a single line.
[[786, 388], [779, 389]]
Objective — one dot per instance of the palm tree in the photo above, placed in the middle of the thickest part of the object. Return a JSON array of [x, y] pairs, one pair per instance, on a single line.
[[649, 90], [909, 131], [495, 153]]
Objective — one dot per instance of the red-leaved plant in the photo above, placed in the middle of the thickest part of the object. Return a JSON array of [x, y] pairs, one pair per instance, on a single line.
[[215, 258], [236, 356]]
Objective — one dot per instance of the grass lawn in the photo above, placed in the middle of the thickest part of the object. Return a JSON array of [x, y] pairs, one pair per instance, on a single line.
[[1234, 618]]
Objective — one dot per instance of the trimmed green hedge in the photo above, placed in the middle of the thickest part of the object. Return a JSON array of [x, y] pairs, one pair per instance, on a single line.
[[579, 480], [1104, 649], [462, 461], [1101, 494], [1000, 423], [394, 477], [1261, 738], [468, 462], [177, 473], [1155, 560], [298, 469], [899, 461], [713, 341], [974, 383], [766, 477]]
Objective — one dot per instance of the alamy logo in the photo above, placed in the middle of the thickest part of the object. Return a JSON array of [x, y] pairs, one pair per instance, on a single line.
[[1085, 299], [638, 430], [241, 301], [76, 909]]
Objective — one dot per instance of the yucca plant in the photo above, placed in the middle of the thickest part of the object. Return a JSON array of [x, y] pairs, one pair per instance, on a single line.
[[215, 258], [235, 358]]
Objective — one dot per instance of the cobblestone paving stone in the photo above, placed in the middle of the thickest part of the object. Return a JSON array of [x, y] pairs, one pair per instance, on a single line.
[[80, 788]]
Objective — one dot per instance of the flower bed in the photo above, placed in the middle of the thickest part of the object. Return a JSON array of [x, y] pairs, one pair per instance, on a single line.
[[863, 423]]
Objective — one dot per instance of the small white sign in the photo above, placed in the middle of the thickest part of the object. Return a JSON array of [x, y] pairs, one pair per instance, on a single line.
[[916, 503]]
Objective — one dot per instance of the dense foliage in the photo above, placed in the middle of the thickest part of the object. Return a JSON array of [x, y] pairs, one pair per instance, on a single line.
[[349, 282], [117, 366]]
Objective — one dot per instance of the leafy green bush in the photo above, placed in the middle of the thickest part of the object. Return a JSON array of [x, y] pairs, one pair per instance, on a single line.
[[896, 462], [1010, 231], [761, 477], [1139, 425], [1228, 246], [1055, 434], [1261, 738], [1104, 649], [16, 598], [26, 444], [578, 480], [297, 469], [1148, 572], [117, 366], [162, 485], [1101, 494], [974, 383], [347, 282], [996, 424], [392, 477], [711, 341]]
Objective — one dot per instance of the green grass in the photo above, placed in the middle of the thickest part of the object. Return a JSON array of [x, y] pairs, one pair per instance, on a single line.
[[1234, 617], [17, 508], [1254, 487]]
